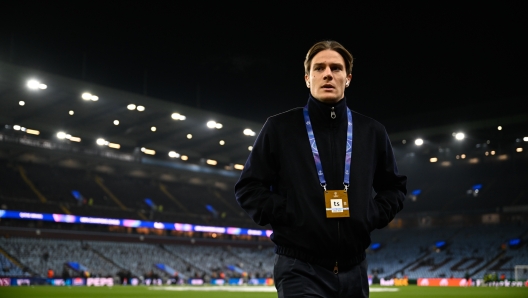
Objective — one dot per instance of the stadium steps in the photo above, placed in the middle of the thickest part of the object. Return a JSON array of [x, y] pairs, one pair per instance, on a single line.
[[100, 254], [16, 262], [195, 266], [32, 186], [64, 209], [164, 190], [487, 264], [100, 182]]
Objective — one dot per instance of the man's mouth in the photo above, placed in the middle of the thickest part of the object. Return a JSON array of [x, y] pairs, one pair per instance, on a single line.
[[328, 86]]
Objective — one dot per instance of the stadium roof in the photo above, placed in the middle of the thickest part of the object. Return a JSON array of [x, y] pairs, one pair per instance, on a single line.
[[48, 111]]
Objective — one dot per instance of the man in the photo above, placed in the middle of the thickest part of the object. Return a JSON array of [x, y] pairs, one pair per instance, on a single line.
[[311, 176]]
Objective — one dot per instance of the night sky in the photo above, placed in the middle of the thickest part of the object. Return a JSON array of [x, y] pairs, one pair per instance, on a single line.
[[247, 61]]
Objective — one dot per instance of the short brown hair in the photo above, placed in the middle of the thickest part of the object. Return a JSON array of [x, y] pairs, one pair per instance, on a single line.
[[329, 45]]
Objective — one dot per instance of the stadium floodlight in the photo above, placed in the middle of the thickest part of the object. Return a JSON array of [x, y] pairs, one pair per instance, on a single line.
[[250, 148], [61, 135], [94, 98], [71, 112], [153, 128], [239, 167], [32, 132], [184, 157], [189, 136], [459, 136], [75, 139], [219, 125], [114, 145], [418, 142], [433, 159], [520, 149], [463, 156], [499, 127], [174, 154], [492, 152], [101, 142], [140, 108], [35, 85], [148, 151], [525, 139], [212, 162], [211, 124], [86, 96], [249, 132], [222, 142], [116, 122], [16, 127], [21, 103], [131, 107], [178, 116]]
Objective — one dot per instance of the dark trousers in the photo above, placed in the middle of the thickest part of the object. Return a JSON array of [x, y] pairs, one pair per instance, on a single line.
[[295, 278]]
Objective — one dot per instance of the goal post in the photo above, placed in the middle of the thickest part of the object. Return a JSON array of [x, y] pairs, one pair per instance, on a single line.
[[521, 272]]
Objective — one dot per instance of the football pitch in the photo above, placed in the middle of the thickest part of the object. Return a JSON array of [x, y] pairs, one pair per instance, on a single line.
[[242, 292]]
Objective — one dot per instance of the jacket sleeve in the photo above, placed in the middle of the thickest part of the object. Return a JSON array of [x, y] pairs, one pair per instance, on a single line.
[[389, 185], [253, 190]]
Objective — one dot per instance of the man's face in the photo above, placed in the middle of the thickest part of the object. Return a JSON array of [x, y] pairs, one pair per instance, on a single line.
[[327, 79]]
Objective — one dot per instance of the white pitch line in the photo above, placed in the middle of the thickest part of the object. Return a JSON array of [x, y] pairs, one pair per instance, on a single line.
[[217, 288], [253, 289]]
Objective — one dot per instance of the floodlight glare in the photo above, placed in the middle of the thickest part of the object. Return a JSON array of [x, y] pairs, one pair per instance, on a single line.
[[116, 122], [32, 131], [21, 103], [519, 150], [184, 157], [189, 136], [525, 139], [94, 98], [131, 106], [433, 159], [499, 127], [86, 96], [33, 84], [140, 108], [153, 128], [100, 142], [174, 154], [16, 127], [75, 139], [418, 142], [239, 167], [42, 86], [178, 116], [218, 125], [71, 112], [460, 136], [61, 135], [249, 132], [211, 124], [113, 145], [250, 148], [222, 142], [212, 162]]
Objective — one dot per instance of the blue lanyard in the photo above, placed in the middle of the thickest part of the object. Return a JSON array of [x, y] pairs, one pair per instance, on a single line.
[[317, 159]]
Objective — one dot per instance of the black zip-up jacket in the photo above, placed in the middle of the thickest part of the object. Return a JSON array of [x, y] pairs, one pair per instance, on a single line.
[[279, 184]]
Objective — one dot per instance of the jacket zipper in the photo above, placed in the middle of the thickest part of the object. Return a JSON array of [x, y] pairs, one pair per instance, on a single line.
[[336, 268]]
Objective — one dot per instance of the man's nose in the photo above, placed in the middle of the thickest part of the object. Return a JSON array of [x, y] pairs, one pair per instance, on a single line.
[[327, 74]]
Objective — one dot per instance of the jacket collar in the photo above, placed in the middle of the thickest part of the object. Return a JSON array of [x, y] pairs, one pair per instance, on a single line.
[[323, 110]]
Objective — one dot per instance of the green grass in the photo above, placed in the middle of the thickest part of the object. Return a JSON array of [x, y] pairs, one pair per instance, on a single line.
[[158, 292]]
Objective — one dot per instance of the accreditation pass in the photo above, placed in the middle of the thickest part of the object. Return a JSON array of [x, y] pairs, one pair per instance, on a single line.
[[336, 202]]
